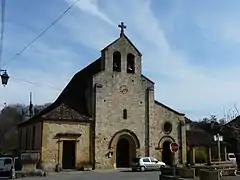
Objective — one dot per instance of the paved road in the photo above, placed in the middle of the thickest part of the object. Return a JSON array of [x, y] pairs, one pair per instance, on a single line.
[[106, 175], [103, 175]]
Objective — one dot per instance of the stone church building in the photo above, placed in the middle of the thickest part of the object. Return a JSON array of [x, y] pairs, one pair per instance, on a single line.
[[105, 117]]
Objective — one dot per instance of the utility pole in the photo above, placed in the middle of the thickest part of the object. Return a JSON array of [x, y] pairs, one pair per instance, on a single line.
[[30, 106]]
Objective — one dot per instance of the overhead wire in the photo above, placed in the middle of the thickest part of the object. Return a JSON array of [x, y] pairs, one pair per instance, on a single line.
[[35, 83], [42, 32], [3, 5]]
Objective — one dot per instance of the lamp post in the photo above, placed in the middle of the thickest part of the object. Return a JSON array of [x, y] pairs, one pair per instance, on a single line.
[[4, 76], [218, 138]]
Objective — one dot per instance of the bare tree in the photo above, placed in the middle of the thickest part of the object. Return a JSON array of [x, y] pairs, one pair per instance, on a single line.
[[231, 113]]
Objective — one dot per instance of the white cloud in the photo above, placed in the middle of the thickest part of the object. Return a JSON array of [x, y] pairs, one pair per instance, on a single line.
[[49, 70], [90, 6], [191, 88], [195, 89]]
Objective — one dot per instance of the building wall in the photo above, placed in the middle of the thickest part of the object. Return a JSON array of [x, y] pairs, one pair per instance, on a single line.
[[110, 103], [145, 118], [124, 47], [52, 150], [158, 136], [30, 139]]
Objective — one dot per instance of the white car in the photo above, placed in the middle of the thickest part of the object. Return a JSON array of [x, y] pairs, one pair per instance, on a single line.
[[232, 157], [147, 163], [6, 165]]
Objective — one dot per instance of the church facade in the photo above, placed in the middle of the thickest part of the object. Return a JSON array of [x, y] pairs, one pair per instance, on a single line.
[[105, 117]]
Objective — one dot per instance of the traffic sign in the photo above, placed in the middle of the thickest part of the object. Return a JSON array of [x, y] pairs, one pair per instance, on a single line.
[[174, 147]]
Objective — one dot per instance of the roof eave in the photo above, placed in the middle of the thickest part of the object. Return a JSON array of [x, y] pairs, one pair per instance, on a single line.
[[167, 107]]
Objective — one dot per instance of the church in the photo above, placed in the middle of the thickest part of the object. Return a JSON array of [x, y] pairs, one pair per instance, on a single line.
[[105, 117]]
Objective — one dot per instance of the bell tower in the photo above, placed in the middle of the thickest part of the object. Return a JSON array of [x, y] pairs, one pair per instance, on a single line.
[[121, 56]]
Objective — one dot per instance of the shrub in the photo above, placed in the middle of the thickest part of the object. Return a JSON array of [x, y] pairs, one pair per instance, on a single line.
[[201, 156]]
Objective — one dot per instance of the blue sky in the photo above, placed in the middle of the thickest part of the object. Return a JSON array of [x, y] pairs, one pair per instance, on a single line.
[[190, 48]]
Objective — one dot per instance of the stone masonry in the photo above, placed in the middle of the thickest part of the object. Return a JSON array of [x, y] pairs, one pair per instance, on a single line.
[[145, 117]]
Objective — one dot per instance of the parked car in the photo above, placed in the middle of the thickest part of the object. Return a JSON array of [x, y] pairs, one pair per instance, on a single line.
[[147, 163], [231, 157], [8, 166]]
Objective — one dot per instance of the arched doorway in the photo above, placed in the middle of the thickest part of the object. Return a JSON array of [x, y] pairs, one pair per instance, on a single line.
[[167, 155], [124, 144], [125, 151]]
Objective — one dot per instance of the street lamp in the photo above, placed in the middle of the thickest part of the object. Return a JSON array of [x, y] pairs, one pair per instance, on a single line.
[[4, 77], [218, 138]]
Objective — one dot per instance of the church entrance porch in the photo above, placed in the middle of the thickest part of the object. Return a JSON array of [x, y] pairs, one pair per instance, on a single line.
[[124, 145], [125, 153], [167, 155], [69, 155]]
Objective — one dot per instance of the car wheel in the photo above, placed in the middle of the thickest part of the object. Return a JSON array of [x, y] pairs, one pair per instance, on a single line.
[[142, 168]]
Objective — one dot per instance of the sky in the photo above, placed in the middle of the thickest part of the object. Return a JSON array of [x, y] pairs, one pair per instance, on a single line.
[[190, 48]]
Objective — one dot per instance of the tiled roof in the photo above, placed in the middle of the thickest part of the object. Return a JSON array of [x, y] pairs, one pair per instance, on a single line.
[[72, 98], [198, 138]]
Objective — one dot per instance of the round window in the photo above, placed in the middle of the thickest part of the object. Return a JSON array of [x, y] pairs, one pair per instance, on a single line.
[[167, 127]]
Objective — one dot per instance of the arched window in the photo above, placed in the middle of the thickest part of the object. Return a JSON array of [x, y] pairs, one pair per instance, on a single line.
[[130, 63], [124, 114], [117, 61]]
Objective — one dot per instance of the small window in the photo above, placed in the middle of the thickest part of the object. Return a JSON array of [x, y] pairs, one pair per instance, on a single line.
[[117, 61], [153, 159], [130, 63], [167, 127], [146, 160], [124, 114]]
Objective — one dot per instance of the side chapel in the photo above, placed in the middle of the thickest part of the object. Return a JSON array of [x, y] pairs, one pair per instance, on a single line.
[[106, 116]]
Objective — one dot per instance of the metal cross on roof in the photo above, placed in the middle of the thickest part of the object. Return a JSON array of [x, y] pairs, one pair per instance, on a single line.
[[122, 27]]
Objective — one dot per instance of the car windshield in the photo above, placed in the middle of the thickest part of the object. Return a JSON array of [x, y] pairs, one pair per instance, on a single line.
[[231, 156], [153, 159], [1, 163], [8, 161]]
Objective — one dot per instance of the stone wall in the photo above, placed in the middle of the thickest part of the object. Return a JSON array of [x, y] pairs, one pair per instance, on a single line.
[[162, 115], [117, 91], [110, 103], [52, 152], [124, 47]]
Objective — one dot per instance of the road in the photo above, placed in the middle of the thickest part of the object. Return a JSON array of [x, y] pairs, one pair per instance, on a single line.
[[104, 175]]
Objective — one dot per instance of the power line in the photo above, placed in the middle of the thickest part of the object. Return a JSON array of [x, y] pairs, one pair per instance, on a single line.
[[42, 32], [34, 83], [3, 4]]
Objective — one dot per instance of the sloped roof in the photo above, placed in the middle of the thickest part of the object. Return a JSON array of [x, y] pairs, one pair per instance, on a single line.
[[187, 120], [129, 41], [168, 108], [72, 97], [235, 122], [199, 138]]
